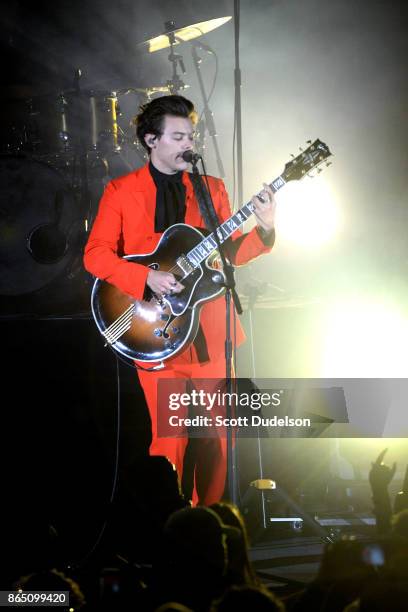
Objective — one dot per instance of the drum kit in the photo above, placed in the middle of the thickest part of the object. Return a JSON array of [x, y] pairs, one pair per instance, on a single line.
[[56, 154]]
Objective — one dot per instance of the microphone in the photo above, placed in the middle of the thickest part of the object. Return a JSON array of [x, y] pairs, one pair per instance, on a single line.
[[201, 45], [191, 157]]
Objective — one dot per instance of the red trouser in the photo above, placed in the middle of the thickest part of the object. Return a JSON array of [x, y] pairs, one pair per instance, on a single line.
[[211, 453]]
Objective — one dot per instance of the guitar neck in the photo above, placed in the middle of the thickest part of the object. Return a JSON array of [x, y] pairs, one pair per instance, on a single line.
[[209, 244]]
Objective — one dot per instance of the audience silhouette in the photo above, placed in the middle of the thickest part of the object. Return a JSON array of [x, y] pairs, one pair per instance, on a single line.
[[162, 555]]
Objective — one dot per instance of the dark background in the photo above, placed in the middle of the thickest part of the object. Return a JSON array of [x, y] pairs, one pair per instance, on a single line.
[[335, 70]]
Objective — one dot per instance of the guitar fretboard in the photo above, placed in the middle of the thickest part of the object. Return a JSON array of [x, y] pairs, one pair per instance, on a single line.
[[209, 244]]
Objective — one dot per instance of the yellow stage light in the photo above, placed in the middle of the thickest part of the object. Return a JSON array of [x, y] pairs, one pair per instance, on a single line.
[[307, 213], [365, 339]]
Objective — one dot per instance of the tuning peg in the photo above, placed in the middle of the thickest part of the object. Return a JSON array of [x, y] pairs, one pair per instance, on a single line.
[[309, 142], [328, 164], [319, 170], [292, 155], [300, 149]]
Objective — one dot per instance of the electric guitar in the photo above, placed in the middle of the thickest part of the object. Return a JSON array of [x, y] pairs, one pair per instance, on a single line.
[[160, 327]]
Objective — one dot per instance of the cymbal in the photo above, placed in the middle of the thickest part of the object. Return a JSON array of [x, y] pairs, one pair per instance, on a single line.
[[183, 34], [148, 91]]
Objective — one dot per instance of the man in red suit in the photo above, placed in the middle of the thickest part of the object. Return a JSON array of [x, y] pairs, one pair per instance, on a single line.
[[133, 213]]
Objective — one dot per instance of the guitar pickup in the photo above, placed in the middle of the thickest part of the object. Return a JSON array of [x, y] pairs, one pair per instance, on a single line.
[[164, 317], [184, 265]]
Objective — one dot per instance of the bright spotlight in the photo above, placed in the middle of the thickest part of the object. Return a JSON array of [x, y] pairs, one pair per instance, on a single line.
[[307, 213], [365, 339]]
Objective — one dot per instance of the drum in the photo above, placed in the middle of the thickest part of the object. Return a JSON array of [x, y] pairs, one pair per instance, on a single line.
[[89, 121], [40, 225], [104, 134], [69, 122]]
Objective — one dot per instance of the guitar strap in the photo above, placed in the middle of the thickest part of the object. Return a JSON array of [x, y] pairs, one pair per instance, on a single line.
[[203, 197]]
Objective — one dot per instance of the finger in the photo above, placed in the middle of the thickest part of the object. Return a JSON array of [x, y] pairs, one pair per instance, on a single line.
[[169, 278], [273, 199], [256, 203], [268, 190], [381, 456], [268, 199], [260, 199], [173, 280], [177, 288], [174, 288]]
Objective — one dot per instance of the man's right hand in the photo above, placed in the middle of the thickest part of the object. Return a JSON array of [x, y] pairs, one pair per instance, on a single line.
[[163, 283]]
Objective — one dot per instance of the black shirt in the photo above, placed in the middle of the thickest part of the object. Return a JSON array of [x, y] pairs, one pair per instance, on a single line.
[[170, 199]]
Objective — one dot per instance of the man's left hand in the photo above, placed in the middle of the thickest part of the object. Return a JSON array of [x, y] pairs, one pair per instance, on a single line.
[[265, 211]]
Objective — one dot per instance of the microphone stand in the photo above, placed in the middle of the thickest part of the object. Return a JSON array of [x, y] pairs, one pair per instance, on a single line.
[[175, 84], [81, 150], [209, 117], [253, 294], [231, 292], [237, 86]]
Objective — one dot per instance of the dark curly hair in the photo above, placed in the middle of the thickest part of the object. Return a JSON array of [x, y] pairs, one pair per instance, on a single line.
[[151, 116]]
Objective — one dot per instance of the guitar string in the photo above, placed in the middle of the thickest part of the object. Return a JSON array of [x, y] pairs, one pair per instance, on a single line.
[[119, 329], [114, 338], [119, 325], [119, 332], [177, 267], [118, 321]]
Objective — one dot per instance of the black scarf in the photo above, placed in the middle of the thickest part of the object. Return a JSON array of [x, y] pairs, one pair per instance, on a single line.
[[170, 199]]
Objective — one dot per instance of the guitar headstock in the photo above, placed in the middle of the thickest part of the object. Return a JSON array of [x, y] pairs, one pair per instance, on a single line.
[[307, 160]]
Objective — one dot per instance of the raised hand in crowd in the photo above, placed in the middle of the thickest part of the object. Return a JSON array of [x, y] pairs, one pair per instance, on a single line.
[[380, 477], [380, 474]]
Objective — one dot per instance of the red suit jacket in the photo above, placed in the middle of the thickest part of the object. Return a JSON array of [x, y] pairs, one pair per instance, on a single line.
[[124, 225]]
